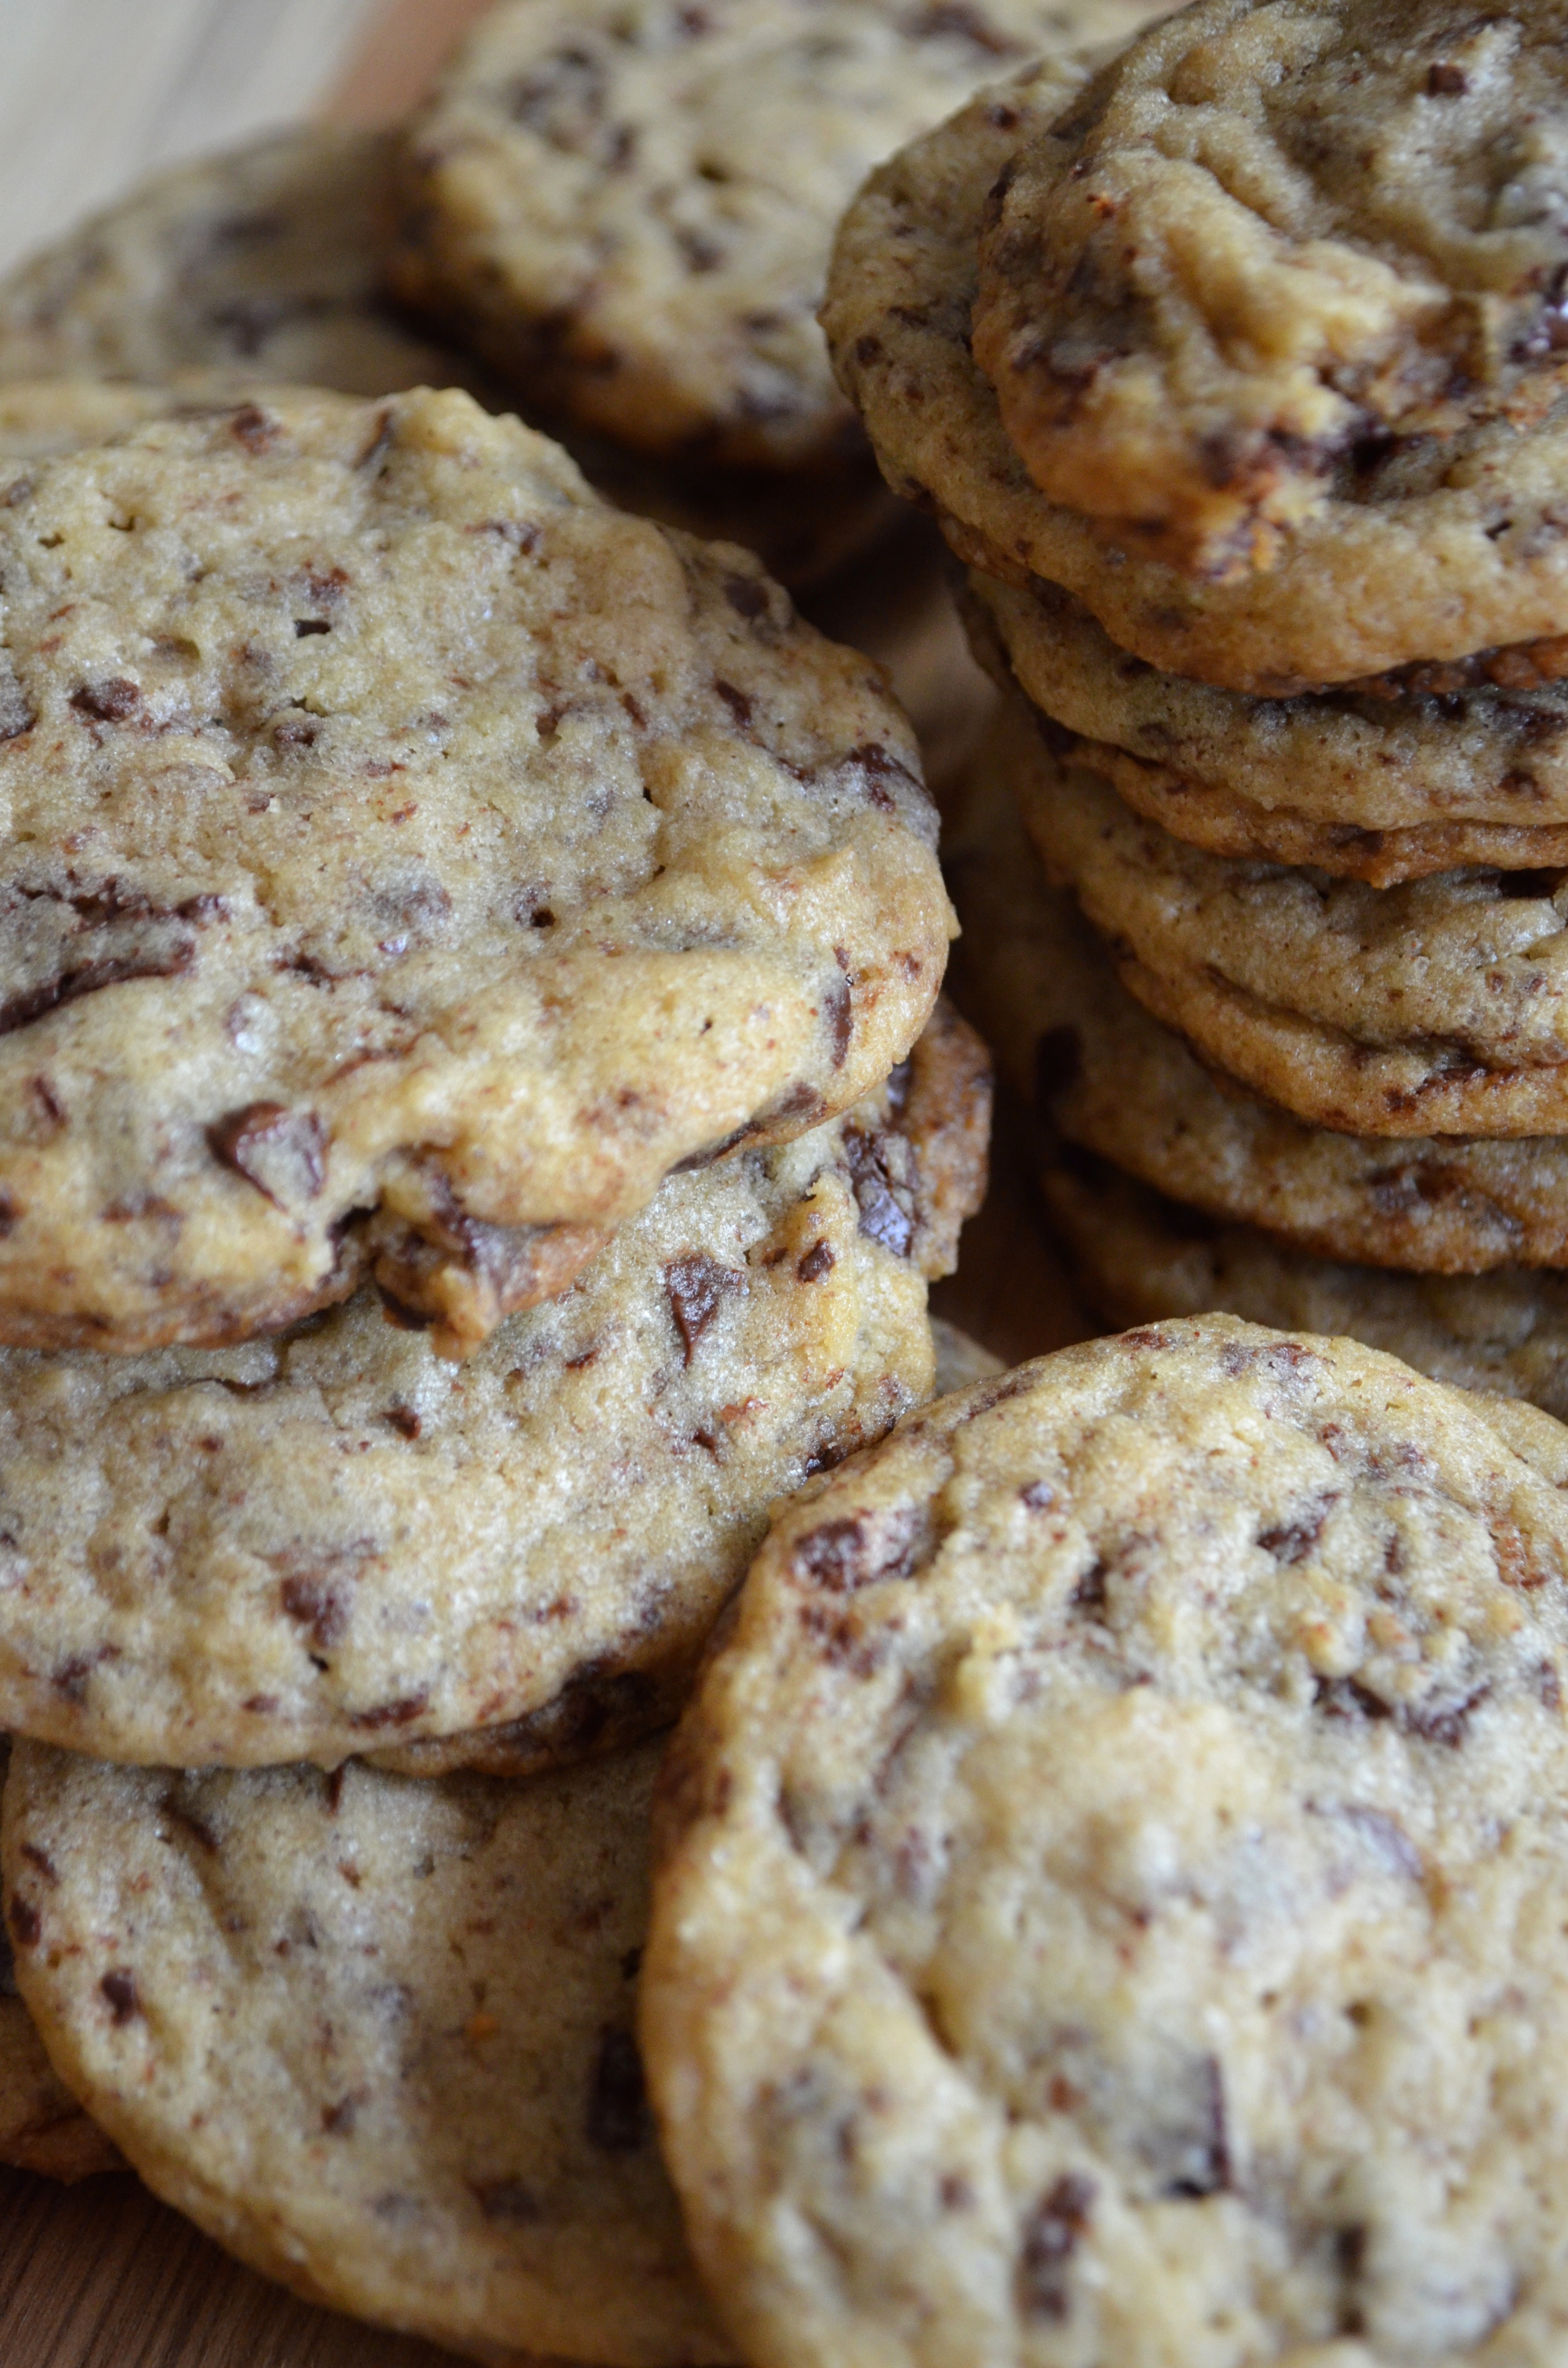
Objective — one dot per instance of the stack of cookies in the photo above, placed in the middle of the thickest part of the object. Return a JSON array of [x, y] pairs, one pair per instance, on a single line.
[[1233, 367], [476, 1126]]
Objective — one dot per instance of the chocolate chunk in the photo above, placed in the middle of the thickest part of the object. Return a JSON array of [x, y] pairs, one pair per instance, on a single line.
[[839, 1011], [319, 1604], [1293, 1541], [1051, 2236], [254, 428], [617, 2111], [1088, 1595], [1446, 1723], [818, 1260], [280, 1151], [882, 1215], [1348, 1698], [857, 1551], [115, 701], [27, 1924], [401, 1712], [1193, 2154], [696, 1286], [120, 1994], [746, 596], [1036, 1495]]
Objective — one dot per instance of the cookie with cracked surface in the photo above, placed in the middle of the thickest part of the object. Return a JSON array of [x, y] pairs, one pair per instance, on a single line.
[[334, 1542], [1081, 1924], [628, 208], [43, 2128], [1438, 1007], [395, 828], [1138, 1256], [1394, 780], [1425, 549], [1109, 1078], [263, 261], [1264, 239], [374, 2036]]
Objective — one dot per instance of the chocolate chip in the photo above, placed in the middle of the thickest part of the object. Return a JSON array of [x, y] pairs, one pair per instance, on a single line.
[[818, 1260], [1293, 1541], [120, 1994], [319, 1606], [1445, 81], [403, 1420], [858, 1550], [838, 1009], [738, 701], [1051, 2237], [254, 428], [697, 1287], [746, 596], [27, 1924], [280, 1151], [617, 2114], [1348, 1698], [115, 701], [1089, 1594]]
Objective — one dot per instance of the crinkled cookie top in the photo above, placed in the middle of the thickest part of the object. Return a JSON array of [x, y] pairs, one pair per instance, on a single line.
[[1268, 238], [390, 823], [629, 205], [1115, 1874]]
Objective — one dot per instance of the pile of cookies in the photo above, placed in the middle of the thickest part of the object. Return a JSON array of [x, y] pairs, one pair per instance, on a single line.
[[476, 1126], [1233, 369]]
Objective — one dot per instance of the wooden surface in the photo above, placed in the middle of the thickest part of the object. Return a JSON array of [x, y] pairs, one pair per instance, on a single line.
[[92, 93]]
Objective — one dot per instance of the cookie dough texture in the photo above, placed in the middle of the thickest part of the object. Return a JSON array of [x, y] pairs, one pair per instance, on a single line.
[[1137, 1256], [375, 2036], [43, 2128], [393, 824], [264, 261], [1113, 1879], [1424, 548], [1392, 780], [1264, 238], [1434, 1007], [337, 1543], [1110, 1078], [627, 207]]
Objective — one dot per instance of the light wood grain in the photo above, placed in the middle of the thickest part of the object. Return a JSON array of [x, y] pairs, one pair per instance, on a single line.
[[92, 93]]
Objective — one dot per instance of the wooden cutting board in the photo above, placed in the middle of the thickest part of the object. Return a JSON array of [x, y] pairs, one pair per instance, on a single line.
[[102, 2276]]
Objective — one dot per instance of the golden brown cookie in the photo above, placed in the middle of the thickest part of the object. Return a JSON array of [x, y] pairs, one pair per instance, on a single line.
[[396, 828], [336, 1542], [374, 2036], [1429, 550], [1066, 1033], [1391, 780], [1138, 1257], [1112, 1879], [1438, 1007]]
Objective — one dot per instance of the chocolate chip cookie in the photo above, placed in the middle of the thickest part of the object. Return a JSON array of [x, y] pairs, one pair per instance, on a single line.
[[336, 1542], [1112, 1878], [374, 2036], [1434, 1007], [627, 209], [1425, 549], [264, 261], [43, 2128], [1407, 774], [401, 838], [1137, 1256], [1110, 1078], [1263, 250]]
